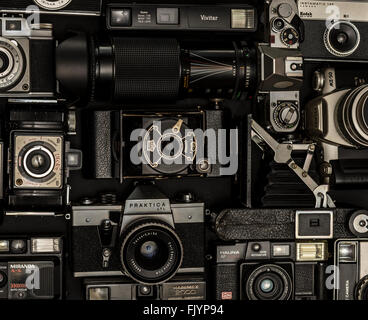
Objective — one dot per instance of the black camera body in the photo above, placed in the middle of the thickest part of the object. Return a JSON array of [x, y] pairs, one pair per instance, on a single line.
[[269, 270], [168, 144], [31, 268], [151, 240], [351, 274], [179, 288], [40, 158], [26, 51], [270, 254]]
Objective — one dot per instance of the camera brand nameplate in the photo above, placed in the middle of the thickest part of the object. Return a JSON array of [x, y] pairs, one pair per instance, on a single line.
[[147, 206], [184, 291], [333, 10], [32, 280]]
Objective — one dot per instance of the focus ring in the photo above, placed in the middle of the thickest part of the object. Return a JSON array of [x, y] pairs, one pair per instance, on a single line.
[[141, 225], [329, 46]]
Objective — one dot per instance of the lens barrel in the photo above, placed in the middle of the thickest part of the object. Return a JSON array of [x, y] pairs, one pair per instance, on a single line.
[[268, 282], [352, 114], [151, 252], [130, 69]]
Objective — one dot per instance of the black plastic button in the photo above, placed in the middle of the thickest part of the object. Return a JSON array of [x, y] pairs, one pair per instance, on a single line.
[[256, 247]]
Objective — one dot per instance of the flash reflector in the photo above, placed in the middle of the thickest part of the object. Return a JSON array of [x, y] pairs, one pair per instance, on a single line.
[[316, 251], [45, 245], [281, 250], [98, 293], [4, 245]]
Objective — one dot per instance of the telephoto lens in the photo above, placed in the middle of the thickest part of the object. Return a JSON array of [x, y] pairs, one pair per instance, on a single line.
[[130, 69]]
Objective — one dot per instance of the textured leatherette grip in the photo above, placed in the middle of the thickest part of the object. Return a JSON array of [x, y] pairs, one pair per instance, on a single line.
[[146, 68], [101, 145], [271, 224]]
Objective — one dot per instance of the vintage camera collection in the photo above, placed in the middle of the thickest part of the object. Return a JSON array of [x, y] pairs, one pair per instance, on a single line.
[[81, 220]]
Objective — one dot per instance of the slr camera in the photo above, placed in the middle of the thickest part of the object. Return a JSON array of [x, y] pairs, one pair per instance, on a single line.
[[337, 118], [26, 52], [40, 158], [280, 80], [149, 241]]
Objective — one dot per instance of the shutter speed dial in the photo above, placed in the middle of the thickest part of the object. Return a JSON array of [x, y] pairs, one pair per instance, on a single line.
[[289, 37]]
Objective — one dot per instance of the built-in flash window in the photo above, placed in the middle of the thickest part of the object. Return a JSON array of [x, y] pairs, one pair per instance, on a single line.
[[242, 19], [4, 246], [316, 251], [281, 250], [98, 293], [45, 245]]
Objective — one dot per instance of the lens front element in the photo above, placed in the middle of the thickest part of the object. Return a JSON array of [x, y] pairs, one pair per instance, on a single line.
[[151, 252]]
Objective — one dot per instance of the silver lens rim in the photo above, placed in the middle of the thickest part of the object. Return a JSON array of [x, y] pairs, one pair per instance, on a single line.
[[11, 77], [11, 62], [281, 272], [328, 45], [52, 162], [352, 112]]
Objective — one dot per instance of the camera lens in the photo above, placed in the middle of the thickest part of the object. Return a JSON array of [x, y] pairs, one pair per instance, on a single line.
[[4, 62], [342, 38], [151, 252], [152, 68], [278, 24], [361, 290], [38, 162], [352, 114], [268, 282], [11, 64], [267, 285]]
